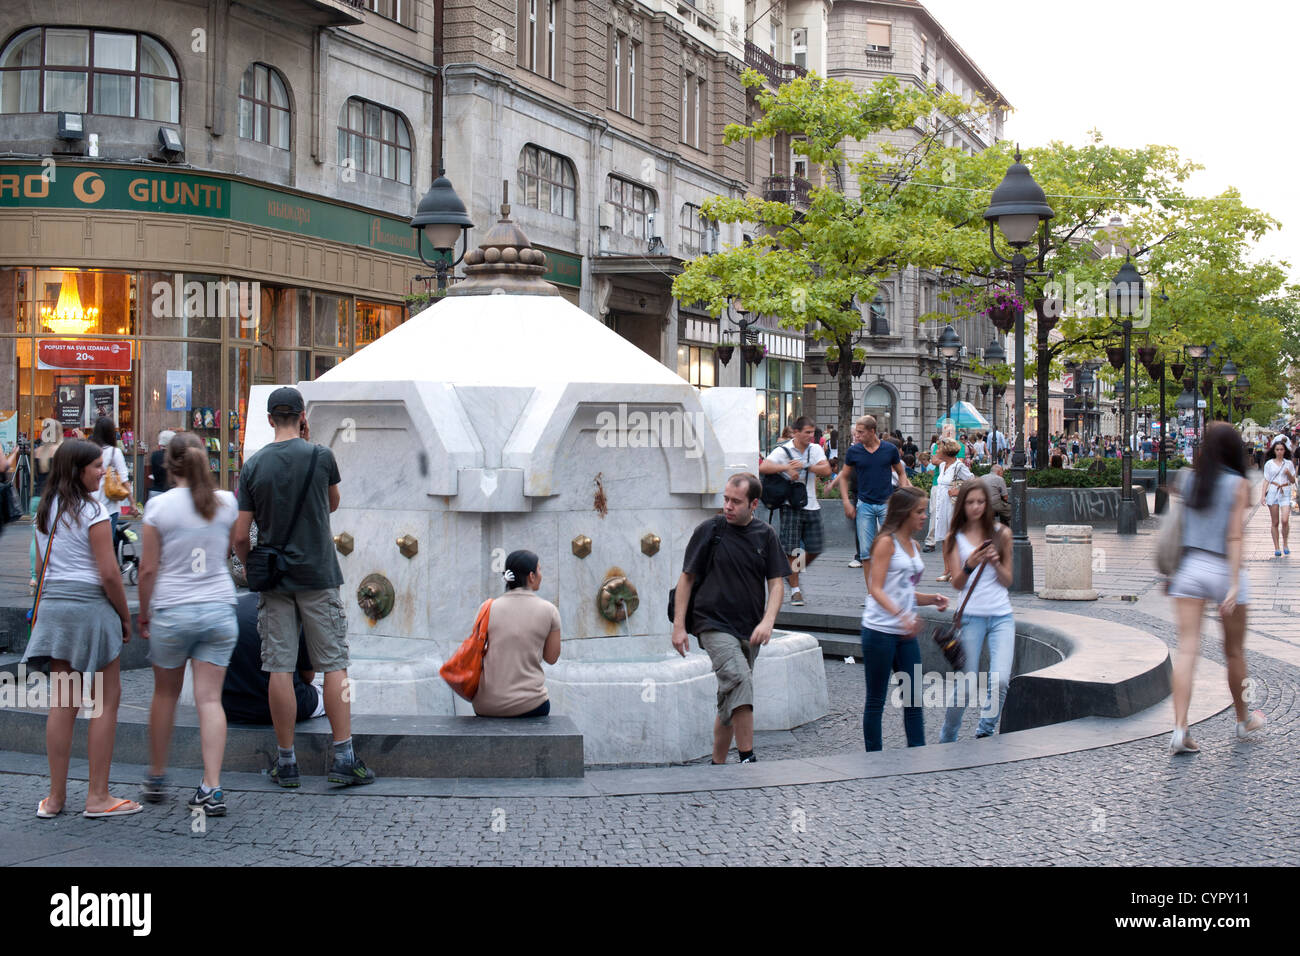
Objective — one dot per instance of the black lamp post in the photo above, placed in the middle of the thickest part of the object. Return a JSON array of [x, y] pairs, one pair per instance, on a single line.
[[949, 348], [1126, 294], [1243, 383], [1155, 367], [1196, 355], [441, 218], [995, 355], [1019, 207], [748, 337], [1229, 373]]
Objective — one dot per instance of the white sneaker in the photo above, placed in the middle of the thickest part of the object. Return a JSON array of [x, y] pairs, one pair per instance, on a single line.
[[855, 563]]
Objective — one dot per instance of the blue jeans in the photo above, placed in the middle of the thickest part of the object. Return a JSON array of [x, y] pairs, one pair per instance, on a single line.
[[883, 654], [1000, 633], [870, 518]]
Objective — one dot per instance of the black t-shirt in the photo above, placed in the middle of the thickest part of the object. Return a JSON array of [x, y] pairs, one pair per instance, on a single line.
[[269, 485], [733, 594], [158, 470], [910, 448], [244, 693]]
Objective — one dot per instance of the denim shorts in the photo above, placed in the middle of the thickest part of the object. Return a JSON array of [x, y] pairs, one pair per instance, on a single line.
[[203, 632]]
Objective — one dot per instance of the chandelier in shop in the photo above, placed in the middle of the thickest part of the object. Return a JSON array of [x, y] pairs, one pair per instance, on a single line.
[[68, 317]]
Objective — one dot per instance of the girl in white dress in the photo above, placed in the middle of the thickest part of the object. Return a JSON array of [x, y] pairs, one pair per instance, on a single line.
[[1279, 476]]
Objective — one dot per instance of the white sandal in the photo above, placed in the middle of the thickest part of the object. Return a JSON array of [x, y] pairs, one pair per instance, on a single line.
[[1255, 722], [1182, 743]]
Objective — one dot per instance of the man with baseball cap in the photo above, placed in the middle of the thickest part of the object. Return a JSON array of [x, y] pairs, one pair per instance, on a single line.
[[270, 485]]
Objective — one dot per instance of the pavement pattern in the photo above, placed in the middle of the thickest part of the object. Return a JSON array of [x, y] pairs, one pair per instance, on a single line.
[[1232, 804]]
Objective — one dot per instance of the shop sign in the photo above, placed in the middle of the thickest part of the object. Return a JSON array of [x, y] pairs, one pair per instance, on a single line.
[[83, 355], [563, 269], [70, 405]]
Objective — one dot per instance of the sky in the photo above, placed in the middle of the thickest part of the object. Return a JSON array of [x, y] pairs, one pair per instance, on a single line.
[[1211, 79]]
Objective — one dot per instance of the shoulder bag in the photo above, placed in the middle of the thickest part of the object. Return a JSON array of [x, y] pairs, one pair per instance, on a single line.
[[115, 488], [463, 671], [267, 564], [1169, 541], [45, 566], [699, 579], [948, 636]]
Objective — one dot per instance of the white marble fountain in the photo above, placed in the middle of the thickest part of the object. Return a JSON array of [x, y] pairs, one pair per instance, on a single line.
[[504, 417]]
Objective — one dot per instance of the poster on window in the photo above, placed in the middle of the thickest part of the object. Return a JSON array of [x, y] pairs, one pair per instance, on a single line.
[[180, 390], [70, 405], [8, 429], [101, 402]]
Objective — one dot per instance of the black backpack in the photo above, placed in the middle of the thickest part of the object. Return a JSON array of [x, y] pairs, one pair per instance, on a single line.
[[780, 491]]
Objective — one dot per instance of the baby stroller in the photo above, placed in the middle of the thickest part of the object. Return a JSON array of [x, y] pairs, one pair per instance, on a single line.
[[126, 545]]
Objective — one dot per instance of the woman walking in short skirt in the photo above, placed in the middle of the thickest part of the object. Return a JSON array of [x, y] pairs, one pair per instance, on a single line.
[[81, 623]]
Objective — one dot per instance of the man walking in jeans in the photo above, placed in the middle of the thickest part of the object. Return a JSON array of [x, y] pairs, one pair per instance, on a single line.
[[737, 565], [308, 596], [870, 463]]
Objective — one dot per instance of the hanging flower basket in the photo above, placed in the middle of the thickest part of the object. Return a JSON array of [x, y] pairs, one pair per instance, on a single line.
[[1001, 306], [1049, 312], [984, 388], [833, 367], [856, 367], [937, 381], [1147, 356], [1177, 370], [753, 354], [1115, 354], [725, 352], [954, 382]]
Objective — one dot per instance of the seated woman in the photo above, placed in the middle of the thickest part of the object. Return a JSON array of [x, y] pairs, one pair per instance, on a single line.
[[523, 631]]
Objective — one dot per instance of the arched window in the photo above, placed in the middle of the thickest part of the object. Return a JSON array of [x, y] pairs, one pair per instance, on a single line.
[[264, 106], [879, 401], [104, 72], [879, 316], [547, 182], [375, 139], [632, 202]]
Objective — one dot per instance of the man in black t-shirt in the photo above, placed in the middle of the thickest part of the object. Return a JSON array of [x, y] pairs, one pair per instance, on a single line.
[[308, 597], [740, 589]]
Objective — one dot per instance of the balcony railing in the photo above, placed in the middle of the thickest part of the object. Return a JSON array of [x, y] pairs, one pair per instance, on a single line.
[[776, 72], [787, 189], [878, 61]]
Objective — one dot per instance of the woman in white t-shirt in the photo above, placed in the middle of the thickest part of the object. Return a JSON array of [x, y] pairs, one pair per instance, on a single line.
[[1279, 476], [187, 611], [81, 622], [105, 436]]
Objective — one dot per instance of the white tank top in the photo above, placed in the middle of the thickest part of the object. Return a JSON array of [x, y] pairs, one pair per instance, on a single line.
[[900, 585], [990, 598]]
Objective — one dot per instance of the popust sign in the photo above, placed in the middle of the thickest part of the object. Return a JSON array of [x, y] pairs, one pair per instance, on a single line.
[[83, 355]]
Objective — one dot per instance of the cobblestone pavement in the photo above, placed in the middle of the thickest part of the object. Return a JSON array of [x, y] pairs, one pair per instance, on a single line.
[[1232, 804]]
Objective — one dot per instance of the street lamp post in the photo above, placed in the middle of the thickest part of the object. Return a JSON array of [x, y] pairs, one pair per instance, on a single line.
[[1229, 373], [1156, 369], [995, 355], [1243, 383], [1195, 354], [747, 336], [1126, 291], [1019, 207], [949, 347], [441, 218]]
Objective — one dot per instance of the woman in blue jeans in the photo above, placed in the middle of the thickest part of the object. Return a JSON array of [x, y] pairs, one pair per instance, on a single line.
[[973, 540], [889, 623]]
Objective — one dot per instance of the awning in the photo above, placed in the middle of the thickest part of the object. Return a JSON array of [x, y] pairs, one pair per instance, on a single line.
[[963, 415]]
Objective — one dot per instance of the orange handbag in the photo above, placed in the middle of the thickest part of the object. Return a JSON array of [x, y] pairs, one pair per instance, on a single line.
[[464, 669]]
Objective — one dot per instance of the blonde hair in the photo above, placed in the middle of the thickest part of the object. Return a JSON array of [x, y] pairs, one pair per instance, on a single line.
[[949, 447]]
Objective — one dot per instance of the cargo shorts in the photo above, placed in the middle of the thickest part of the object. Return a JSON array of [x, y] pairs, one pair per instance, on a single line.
[[733, 665], [323, 620]]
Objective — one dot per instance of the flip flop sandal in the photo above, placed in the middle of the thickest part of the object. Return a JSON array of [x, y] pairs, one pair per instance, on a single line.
[[116, 810], [46, 814]]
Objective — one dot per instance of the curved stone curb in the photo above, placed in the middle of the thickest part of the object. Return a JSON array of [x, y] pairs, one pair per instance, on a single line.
[[1087, 733]]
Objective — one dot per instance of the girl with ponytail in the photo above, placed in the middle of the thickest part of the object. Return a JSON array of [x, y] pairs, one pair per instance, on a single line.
[[187, 611]]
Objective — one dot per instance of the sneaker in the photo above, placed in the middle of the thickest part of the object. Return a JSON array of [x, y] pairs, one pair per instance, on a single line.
[[855, 563], [1251, 724], [927, 548], [287, 776], [350, 774], [796, 598], [750, 759], [151, 791], [212, 804]]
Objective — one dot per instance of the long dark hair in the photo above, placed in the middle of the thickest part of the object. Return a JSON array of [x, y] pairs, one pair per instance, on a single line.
[[65, 484], [520, 564], [1286, 452], [187, 459], [105, 432], [901, 503], [1222, 448], [959, 519]]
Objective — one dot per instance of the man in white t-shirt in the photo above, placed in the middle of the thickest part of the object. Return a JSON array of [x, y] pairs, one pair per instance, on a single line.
[[801, 529]]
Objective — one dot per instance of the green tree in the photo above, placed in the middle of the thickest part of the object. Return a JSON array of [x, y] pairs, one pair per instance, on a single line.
[[806, 268]]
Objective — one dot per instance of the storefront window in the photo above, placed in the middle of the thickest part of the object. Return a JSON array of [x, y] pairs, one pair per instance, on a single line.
[[186, 304], [780, 398], [332, 314], [73, 302], [697, 365], [375, 319]]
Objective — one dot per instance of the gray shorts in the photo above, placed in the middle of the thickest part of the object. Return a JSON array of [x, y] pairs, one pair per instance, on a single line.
[[1204, 576], [322, 619], [733, 665], [206, 631]]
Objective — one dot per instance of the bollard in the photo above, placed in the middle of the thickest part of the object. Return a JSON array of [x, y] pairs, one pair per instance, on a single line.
[[1067, 568]]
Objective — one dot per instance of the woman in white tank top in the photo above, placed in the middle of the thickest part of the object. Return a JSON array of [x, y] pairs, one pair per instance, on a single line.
[[1279, 476], [889, 622], [975, 540]]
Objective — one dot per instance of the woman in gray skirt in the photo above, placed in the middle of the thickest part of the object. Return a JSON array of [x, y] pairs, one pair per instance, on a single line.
[[81, 623]]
